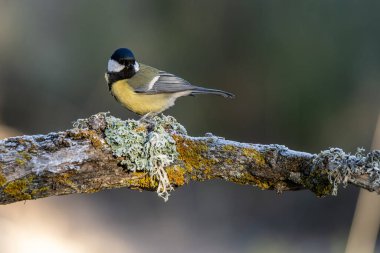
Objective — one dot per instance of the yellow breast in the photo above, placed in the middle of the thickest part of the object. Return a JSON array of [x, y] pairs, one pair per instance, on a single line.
[[141, 103]]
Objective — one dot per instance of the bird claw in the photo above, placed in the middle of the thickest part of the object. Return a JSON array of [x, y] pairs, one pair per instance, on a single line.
[[147, 119]]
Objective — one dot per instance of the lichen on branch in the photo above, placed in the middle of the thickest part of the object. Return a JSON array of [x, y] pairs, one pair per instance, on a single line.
[[103, 152], [148, 148]]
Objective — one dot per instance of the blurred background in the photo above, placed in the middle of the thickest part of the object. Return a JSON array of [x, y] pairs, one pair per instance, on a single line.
[[305, 74]]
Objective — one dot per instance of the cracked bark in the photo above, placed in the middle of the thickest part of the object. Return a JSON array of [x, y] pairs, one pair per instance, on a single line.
[[80, 161]]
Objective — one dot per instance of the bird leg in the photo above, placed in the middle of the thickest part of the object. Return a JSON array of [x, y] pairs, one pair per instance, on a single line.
[[146, 117]]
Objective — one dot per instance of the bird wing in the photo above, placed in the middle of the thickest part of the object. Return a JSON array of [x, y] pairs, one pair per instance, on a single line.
[[169, 83], [153, 81]]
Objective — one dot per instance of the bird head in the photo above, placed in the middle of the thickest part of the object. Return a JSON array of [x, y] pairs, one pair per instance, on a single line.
[[123, 62]]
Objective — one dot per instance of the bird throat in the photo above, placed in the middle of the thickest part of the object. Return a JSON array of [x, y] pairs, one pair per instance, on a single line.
[[113, 77]]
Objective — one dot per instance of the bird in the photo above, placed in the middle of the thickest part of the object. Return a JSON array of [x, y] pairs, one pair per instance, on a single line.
[[145, 90]]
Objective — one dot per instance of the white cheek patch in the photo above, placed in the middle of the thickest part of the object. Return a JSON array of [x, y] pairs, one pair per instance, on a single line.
[[136, 66], [151, 83], [114, 66]]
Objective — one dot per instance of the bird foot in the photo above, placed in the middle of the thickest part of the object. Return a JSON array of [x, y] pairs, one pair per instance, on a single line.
[[148, 119]]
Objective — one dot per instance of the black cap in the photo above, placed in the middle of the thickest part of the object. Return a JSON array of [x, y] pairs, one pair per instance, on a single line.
[[122, 54]]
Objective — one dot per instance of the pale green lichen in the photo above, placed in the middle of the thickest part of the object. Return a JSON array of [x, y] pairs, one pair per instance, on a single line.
[[145, 149], [334, 167]]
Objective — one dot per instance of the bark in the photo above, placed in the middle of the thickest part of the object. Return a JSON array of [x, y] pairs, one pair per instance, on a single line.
[[80, 160]]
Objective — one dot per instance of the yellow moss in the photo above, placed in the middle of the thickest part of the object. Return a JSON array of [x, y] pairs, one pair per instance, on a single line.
[[21, 141], [142, 180], [38, 192], [190, 152], [87, 134], [207, 172], [176, 175], [18, 189], [140, 128], [257, 156], [229, 161], [229, 148], [3, 179], [78, 134], [64, 179], [93, 190], [96, 141], [25, 155], [20, 161], [263, 185], [247, 178]]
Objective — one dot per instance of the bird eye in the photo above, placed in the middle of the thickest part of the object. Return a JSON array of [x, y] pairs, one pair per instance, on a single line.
[[126, 61]]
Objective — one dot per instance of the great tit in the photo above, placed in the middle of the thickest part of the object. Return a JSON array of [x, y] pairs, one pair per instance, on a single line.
[[146, 90]]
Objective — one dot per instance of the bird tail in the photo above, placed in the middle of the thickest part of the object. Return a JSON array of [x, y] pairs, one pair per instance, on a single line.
[[201, 90]]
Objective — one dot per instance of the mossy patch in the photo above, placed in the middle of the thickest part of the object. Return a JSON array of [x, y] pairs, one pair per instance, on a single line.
[[176, 175], [145, 147], [256, 155], [18, 189], [3, 179], [20, 161], [40, 191], [23, 159], [319, 183], [229, 148], [191, 153], [91, 135], [96, 141], [247, 178], [142, 180], [65, 179], [25, 155]]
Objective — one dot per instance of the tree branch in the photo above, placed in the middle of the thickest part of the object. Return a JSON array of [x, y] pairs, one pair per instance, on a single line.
[[103, 152]]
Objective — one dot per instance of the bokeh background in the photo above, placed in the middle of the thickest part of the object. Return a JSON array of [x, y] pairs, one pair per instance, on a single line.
[[305, 74]]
